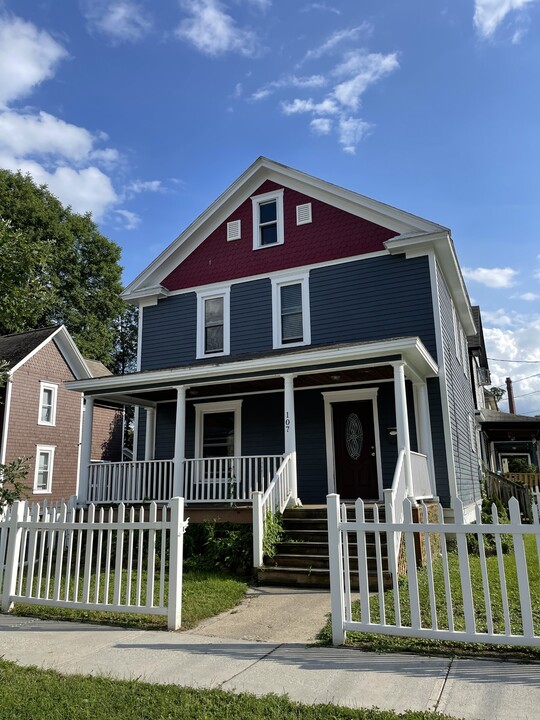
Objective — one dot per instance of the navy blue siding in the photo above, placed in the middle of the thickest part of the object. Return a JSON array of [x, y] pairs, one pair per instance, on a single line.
[[169, 334], [372, 299], [438, 441], [251, 317], [460, 405]]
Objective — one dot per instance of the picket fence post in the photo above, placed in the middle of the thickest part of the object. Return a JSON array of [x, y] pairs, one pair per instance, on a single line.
[[258, 529], [12, 553], [176, 558], [335, 556]]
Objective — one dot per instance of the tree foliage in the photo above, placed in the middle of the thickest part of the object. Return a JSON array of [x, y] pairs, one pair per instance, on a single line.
[[57, 268], [13, 474]]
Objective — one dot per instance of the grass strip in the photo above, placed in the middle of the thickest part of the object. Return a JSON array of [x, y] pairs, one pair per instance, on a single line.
[[204, 595], [394, 643], [29, 692]]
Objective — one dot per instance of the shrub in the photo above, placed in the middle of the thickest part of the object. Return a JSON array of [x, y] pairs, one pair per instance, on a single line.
[[218, 546]]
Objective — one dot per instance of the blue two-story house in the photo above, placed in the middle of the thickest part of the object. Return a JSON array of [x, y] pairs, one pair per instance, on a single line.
[[297, 338]]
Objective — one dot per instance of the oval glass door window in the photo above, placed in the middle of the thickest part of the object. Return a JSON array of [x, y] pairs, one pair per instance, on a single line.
[[354, 436]]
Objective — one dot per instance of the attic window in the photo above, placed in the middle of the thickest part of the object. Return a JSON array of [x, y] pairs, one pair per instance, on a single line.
[[234, 230], [268, 219], [303, 214]]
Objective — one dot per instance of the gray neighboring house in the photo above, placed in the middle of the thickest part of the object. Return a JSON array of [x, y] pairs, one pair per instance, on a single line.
[[297, 318]]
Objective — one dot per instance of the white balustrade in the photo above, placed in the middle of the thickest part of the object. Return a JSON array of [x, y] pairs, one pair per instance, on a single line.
[[273, 501], [130, 482]]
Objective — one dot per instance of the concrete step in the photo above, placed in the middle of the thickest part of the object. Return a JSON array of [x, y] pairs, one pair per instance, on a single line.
[[311, 577]]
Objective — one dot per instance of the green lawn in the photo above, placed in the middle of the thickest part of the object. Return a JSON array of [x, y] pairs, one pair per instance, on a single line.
[[47, 695], [204, 595], [391, 643]]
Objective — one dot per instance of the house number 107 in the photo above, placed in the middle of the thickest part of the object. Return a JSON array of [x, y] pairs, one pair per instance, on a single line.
[[287, 422]]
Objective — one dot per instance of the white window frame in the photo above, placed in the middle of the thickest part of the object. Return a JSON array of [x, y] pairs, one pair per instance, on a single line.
[[277, 284], [457, 335], [43, 387], [202, 409], [50, 450], [202, 297], [257, 201]]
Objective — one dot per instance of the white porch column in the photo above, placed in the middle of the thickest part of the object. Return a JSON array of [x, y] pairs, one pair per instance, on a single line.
[[150, 436], [86, 449], [402, 422], [179, 442], [289, 425], [425, 444]]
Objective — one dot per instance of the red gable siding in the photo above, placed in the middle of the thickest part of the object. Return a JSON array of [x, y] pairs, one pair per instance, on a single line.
[[333, 234]]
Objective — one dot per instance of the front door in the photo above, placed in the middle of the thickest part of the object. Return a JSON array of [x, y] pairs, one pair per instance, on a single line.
[[355, 450]]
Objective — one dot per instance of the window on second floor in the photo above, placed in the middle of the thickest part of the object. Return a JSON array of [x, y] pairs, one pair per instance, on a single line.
[[47, 404], [213, 323], [268, 219], [290, 311]]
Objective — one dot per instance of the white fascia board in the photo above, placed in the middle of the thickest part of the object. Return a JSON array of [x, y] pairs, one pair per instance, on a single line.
[[411, 348], [145, 295], [414, 245], [67, 348], [243, 188]]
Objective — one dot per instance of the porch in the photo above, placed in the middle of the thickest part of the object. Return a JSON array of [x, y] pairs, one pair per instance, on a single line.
[[351, 419]]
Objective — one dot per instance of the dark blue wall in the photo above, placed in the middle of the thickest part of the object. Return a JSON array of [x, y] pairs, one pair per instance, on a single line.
[[251, 317], [169, 335]]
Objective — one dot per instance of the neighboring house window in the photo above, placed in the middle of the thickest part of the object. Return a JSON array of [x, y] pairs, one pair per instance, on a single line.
[[44, 468], [213, 332], [290, 311], [47, 404], [472, 430], [465, 347], [268, 219]]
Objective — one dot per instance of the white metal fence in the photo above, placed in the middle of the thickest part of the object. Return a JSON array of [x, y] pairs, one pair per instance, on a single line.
[[488, 599], [107, 561]]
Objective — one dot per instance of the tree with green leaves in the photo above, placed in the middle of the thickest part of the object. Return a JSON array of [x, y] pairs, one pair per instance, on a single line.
[[58, 268]]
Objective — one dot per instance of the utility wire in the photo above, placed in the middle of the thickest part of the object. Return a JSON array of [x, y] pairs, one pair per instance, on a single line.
[[527, 394], [534, 362]]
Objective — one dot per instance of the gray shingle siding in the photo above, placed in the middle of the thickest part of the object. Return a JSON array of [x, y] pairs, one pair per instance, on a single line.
[[169, 333], [372, 299], [460, 404], [251, 317]]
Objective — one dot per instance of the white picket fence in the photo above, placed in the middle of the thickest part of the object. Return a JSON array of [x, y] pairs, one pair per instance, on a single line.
[[468, 612], [66, 557]]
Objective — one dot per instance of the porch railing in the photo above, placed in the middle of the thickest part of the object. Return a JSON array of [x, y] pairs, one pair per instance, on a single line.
[[228, 479], [420, 476], [130, 482], [271, 502], [222, 480], [529, 479]]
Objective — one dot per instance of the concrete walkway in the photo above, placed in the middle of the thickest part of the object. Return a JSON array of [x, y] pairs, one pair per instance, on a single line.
[[472, 689]]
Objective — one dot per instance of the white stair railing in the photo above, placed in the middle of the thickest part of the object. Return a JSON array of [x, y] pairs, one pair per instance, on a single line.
[[273, 501]]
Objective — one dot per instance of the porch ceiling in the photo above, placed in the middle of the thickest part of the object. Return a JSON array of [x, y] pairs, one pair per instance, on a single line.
[[259, 385]]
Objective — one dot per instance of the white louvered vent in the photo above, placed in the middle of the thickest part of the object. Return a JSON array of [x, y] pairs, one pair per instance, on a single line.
[[233, 230], [303, 214]]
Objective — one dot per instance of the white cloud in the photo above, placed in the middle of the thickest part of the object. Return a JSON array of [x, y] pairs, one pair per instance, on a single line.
[[357, 71], [43, 134], [28, 57], [120, 21], [518, 343], [321, 6], [351, 131], [260, 4], [321, 126], [489, 14], [139, 186], [213, 32], [337, 38], [365, 69], [308, 81], [491, 277], [497, 317], [131, 219], [529, 297]]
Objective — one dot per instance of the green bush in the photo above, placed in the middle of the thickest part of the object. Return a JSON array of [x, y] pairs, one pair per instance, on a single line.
[[219, 546], [273, 532], [507, 544]]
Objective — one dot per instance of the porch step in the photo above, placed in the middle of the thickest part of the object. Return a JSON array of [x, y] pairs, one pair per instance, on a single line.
[[302, 556]]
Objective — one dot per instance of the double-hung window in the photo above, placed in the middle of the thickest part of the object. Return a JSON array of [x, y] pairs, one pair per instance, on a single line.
[[268, 219], [47, 404], [213, 323], [291, 322], [44, 468]]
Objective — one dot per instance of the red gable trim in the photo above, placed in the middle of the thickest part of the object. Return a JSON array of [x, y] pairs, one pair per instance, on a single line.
[[332, 235]]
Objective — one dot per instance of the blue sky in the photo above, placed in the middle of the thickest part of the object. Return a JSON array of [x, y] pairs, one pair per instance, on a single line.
[[144, 112]]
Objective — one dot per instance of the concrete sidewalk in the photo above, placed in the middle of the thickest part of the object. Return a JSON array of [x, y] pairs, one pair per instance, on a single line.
[[475, 689]]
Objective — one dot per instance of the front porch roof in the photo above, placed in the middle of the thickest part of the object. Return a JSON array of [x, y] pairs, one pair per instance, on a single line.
[[268, 365]]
